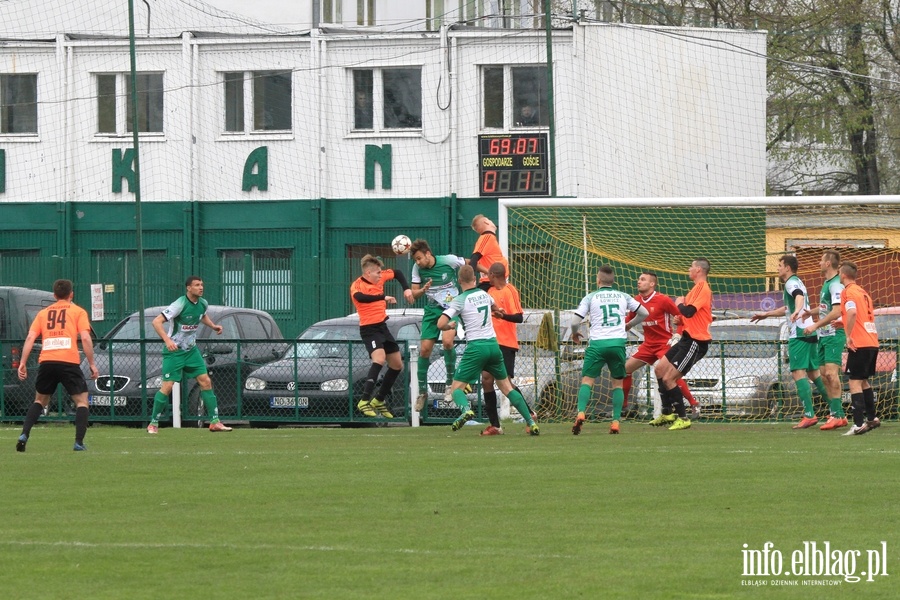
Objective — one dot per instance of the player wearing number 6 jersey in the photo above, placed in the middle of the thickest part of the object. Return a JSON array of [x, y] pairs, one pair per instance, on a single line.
[[474, 307], [59, 326], [607, 309]]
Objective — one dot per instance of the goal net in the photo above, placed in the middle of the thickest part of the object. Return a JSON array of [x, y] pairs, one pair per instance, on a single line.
[[556, 246]]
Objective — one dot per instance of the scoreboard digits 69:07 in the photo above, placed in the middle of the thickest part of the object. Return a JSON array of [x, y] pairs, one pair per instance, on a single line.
[[513, 164]]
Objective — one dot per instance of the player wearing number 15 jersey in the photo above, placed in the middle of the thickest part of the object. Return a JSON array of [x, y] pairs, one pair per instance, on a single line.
[[59, 326], [607, 309]]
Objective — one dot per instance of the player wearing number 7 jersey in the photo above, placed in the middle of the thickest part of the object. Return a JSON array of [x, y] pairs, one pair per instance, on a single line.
[[607, 308], [59, 326]]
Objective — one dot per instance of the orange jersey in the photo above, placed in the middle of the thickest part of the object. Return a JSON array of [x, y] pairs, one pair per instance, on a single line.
[[371, 313], [700, 297], [488, 247], [863, 334], [59, 326], [508, 300]]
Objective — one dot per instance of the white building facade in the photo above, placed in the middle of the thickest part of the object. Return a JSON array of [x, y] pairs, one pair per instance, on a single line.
[[242, 111]]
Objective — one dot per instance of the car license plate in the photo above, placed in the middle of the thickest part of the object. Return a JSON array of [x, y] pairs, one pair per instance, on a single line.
[[288, 402], [444, 404], [104, 400]]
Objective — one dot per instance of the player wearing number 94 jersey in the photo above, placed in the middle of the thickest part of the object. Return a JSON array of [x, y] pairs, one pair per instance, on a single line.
[[607, 308]]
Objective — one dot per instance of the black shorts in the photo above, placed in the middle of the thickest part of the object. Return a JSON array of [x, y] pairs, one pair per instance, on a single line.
[[509, 360], [51, 374], [861, 363], [686, 353], [378, 336]]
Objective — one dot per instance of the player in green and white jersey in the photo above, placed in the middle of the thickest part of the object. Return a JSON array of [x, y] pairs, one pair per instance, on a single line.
[[606, 308], [803, 351], [474, 307], [177, 325], [435, 278], [832, 337]]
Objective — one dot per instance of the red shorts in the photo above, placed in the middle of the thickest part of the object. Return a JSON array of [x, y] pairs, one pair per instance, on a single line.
[[650, 354]]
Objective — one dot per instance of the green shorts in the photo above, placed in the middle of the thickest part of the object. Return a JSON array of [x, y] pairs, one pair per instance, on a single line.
[[430, 329], [481, 355], [803, 355], [604, 352], [183, 363], [831, 348]]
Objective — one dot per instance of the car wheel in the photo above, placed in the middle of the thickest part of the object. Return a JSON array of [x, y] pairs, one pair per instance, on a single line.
[[195, 407], [548, 403], [775, 402]]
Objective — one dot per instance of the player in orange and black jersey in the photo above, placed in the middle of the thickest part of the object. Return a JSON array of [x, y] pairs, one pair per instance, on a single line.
[[858, 317], [696, 315], [487, 250], [59, 326], [368, 296]]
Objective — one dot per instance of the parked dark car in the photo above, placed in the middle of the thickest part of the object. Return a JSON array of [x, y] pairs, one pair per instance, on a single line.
[[321, 376], [18, 308], [249, 339]]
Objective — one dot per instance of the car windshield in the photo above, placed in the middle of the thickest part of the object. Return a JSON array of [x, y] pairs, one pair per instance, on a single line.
[[318, 338], [888, 327], [129, 330], [744, 341]]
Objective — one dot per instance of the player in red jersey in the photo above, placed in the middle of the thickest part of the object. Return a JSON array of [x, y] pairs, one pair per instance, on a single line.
[[658, 335]]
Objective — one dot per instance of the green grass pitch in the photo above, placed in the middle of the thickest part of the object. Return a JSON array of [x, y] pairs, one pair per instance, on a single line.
[[397, 512]]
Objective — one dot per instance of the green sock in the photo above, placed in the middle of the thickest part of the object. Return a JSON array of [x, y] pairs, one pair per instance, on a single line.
[[160, 402], [837, 407], [820, 387], [422, 371], [450, 362], [804, 390], [211, 404], [459, 398], [517, 400], [618, 399], [584, 396]]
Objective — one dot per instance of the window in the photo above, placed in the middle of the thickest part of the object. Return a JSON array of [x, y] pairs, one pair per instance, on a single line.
[[114, 103], [365, 12], [260, 279], [515, 97], [18, 104], [331, 11], [387, 99], [266, 103]]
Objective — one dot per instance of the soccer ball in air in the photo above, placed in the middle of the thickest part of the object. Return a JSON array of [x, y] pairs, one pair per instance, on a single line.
[[401, 244]]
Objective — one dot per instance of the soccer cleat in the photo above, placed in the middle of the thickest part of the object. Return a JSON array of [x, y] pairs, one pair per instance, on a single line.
[[834, 423], [491, 430], [873, 424], [579, 421], [79, 447], [806, 422], [420, 401], [857, 430], [381, 407], [151, 428], [663, 420], [614, 427], [365, 407], [680, 424], [218, 426], [462, 420], [20, 443], [695, 411], [533, 429]]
